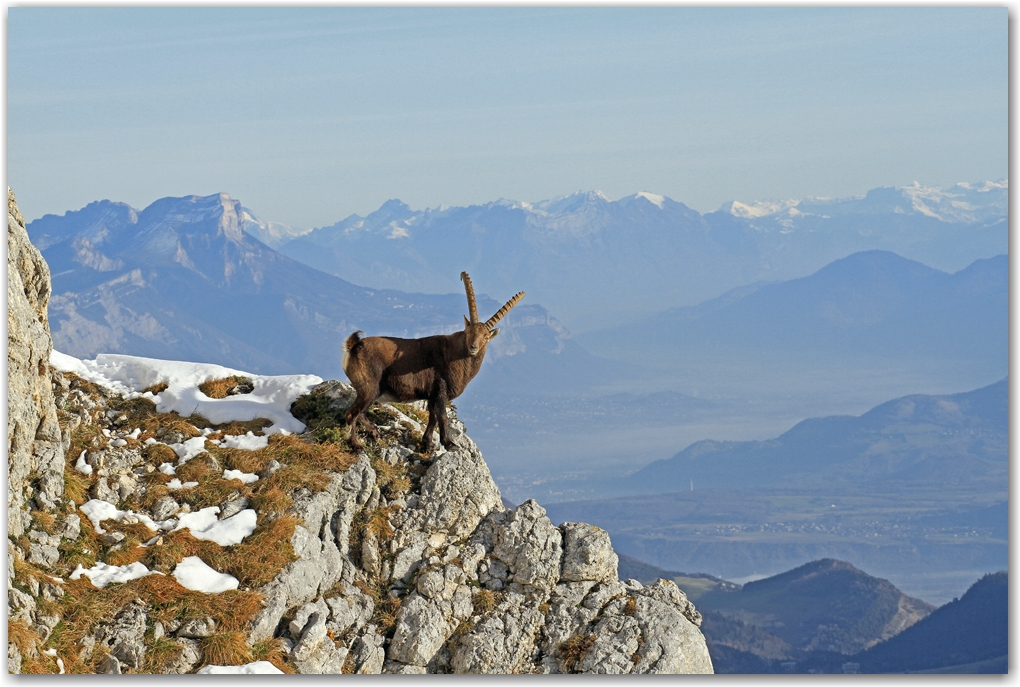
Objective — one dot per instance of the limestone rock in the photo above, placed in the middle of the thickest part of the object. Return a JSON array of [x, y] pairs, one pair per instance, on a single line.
[[124, 637], [34, 439], [587, 553], [186, 658]]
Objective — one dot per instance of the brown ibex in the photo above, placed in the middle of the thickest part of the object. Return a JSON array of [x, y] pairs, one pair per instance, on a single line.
[[434, 368]]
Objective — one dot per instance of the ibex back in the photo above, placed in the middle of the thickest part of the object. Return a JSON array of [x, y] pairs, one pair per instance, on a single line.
[[435, 369]]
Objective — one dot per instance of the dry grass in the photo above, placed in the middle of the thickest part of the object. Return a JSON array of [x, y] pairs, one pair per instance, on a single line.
[[44, 521], [574, 649], [156, 388], [378, 523], [218, 388], [84, 550], [242, 426], [226, 649], [261, 556], [630, 608], [159, 654], [271, 650], [386, 607], [170, 422], [177, 546], [76, 486], [159, 453], [484, 601], [349, 664], [195, 470], [21, 635]]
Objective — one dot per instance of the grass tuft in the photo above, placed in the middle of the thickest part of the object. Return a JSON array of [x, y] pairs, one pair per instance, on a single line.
[[226, 649], [574, 649], [221, 388], [271, 650]]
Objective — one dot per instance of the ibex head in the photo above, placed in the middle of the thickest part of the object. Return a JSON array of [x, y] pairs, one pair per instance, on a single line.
[[479, 333]]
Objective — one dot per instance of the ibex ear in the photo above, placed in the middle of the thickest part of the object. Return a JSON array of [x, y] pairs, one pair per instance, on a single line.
[[492, 333], [467, 322]]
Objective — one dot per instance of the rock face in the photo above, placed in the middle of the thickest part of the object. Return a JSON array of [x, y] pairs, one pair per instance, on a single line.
[[477, 588], [35, 445]]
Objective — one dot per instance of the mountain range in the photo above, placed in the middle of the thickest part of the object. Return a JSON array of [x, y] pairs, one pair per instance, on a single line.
[[596, 262], [908, 442], [181, 279], [871, 305]]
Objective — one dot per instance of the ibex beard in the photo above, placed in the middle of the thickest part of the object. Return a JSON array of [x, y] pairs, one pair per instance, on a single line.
[[435, 369]]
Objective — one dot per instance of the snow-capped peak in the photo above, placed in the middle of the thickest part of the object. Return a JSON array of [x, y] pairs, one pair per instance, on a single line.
[[652, 198], [758, 208]]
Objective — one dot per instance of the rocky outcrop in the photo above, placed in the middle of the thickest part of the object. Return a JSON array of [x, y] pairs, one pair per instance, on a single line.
[[35, 445], [479, 588]]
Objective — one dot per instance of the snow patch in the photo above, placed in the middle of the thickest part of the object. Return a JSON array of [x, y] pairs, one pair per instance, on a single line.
[[98, 510], [246, 477], [247, 441], [652, 198], [102, 574], [189, 449], [128, 375], [227, 532], [81, 466], [258, 667], [193, 573]]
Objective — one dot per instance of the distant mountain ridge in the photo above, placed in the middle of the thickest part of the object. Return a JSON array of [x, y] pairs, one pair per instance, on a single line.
[[911, 440], [964, 632], [181, 279], [869, 305], [596, 261], [824, 605]]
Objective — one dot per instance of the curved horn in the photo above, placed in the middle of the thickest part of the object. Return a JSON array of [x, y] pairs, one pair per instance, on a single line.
[[472, 306], [501, 313]]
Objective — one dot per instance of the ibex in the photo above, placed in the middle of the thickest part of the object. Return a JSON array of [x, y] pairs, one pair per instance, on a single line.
[[435, 369]]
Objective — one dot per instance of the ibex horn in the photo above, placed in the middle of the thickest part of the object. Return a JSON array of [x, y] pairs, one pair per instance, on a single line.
[[504, 310], [472, 306]]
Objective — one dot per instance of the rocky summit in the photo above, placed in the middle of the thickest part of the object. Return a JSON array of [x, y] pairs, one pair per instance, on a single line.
[[142, 540]]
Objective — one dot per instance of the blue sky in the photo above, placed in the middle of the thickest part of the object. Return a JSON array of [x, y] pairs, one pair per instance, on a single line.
[[308, 115]]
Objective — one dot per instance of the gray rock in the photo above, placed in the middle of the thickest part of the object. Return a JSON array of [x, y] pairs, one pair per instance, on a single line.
[[530, 546], [456, 493], [104, 492], [108, 665], [164, 508], [422, 627], [587, 553], [369, 654], [271, 467], [398, 668], [303, 615], [124, 637], [112, 538], [409, 556], [13, 659], [503, 641], [71, 528], [186, 658], [233, 506], [322, 544], [19, 604], [197, 628], [43, 555], [340, 394], [34, 439]]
